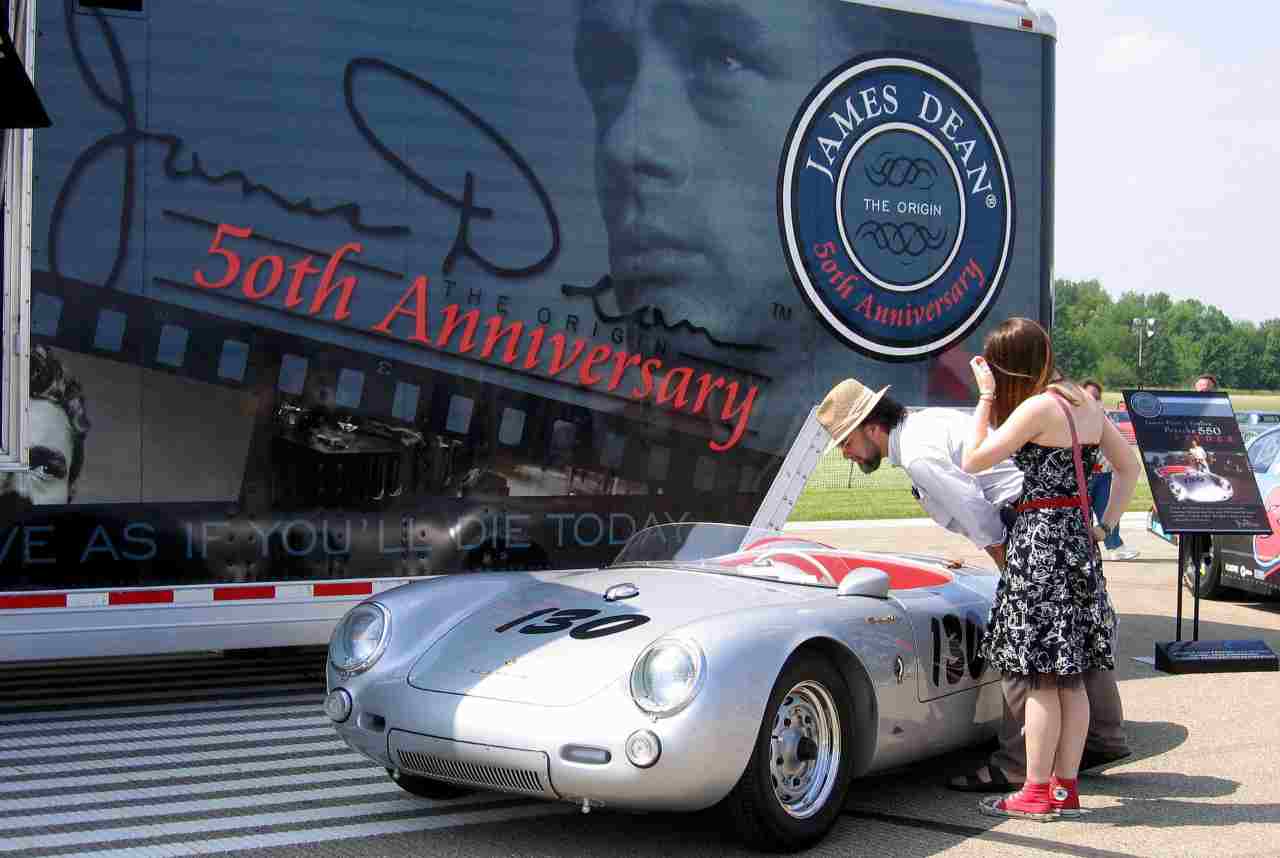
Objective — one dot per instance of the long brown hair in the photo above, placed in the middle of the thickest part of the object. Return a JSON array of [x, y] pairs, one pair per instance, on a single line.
[[1020, 355]]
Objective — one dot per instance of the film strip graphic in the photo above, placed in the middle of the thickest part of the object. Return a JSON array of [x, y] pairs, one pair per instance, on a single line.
[[214, 349]]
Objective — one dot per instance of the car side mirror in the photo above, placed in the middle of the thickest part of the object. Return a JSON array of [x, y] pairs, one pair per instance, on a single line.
[[865, 581]]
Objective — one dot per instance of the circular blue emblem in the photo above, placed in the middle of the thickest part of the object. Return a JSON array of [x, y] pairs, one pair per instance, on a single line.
[[1146, 405], [896, 207]]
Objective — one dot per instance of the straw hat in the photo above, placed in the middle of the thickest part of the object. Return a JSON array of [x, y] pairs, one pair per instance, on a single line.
[[844, 409]]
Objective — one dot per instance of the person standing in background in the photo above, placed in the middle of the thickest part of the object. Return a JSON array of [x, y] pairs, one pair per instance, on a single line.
[[1100, 492], [1206, 383], [1199, 458]]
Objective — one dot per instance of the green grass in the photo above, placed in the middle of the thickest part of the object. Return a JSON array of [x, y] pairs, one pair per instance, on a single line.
[[834, 493]]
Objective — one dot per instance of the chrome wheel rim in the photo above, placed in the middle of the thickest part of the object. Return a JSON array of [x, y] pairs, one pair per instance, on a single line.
[[804, 749]]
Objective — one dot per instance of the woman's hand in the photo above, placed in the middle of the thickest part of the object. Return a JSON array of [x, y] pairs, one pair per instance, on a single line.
[[1099, 533], [982, 374]]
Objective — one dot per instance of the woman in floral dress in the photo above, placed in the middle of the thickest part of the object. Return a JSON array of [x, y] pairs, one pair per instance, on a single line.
[[1051, 620]]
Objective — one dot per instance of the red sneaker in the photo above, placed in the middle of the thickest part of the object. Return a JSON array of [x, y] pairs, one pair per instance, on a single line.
[[1064, 798], [1033, 801]]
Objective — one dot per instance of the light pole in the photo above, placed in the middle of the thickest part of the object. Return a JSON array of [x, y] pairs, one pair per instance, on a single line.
[[1145, 329]]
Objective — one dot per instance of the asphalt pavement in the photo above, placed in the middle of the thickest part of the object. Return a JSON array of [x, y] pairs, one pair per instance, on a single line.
[[205, 754]]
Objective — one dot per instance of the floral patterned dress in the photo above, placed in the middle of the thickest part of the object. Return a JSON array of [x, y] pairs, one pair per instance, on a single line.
[[1051, 613]]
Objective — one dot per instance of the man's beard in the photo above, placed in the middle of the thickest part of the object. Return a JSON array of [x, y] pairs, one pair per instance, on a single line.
[[871, 466]]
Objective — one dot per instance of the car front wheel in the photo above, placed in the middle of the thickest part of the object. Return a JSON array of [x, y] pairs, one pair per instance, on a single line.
[[795, 783], [1210, 574], [427, 787]]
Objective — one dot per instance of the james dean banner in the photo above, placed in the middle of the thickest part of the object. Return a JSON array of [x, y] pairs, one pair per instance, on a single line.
[[381, 289]]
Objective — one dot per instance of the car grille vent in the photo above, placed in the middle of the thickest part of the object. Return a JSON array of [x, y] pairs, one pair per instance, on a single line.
[[472, 774]]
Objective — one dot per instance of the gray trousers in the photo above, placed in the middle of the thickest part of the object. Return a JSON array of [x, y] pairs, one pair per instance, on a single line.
[[1106, 722]]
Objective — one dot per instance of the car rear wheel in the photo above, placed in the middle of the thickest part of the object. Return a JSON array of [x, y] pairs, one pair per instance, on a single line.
[[795, 783], [1210, 574], [427, 787]]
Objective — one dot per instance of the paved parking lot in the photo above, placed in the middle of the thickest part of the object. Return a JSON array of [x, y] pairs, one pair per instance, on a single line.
[[202, 754]]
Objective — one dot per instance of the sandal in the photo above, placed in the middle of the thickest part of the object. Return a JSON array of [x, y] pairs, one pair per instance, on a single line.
[[972, 783]]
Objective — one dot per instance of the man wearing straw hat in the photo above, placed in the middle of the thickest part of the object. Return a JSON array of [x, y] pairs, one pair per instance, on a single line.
[[928, 444]]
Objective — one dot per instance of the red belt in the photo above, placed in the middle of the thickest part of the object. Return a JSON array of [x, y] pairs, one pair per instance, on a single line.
[[1049, 503]]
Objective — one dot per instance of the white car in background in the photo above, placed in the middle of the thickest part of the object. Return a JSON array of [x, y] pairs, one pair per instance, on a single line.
[[1253, 423]]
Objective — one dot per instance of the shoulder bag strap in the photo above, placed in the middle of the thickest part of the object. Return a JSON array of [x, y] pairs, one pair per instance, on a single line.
[[1085, 509]]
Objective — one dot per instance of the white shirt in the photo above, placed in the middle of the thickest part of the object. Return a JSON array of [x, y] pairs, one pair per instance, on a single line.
[[929, 445]]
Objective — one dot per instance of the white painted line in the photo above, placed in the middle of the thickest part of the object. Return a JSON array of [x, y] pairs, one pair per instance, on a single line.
[[126, 779], [313, 729], [18, 845], [78, 741], [231, 712], [141, 795], [387, 790], [331, 833], [181, 760], [32, 715]]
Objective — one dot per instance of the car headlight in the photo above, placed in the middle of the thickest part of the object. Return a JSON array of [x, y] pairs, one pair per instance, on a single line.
[[360, 638], [667, 676]]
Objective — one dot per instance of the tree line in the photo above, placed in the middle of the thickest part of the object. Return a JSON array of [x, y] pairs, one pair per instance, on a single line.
[[1093, 337]]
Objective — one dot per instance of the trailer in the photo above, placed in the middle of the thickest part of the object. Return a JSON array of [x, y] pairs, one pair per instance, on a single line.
[[314, 301]]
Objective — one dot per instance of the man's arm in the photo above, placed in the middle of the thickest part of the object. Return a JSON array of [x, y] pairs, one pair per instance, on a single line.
[[997, 554], [958, 496]]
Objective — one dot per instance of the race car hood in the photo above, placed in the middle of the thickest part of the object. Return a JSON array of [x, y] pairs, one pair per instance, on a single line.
[[556, 643]]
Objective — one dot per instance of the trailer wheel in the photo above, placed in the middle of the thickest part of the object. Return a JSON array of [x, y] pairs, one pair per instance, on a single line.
[[427, 787]]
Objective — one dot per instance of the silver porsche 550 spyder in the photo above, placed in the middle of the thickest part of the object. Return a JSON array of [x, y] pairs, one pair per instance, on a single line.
[[707, 664], [1191, 484]]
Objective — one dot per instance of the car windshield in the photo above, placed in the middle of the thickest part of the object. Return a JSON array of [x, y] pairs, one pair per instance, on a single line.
[[1119, 416], [725, 549], [690, 542]]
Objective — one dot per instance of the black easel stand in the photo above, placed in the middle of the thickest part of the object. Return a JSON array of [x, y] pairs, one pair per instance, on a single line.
[[1195, 655]]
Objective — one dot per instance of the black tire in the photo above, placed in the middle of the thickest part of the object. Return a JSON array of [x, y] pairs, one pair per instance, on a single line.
[[428, 787], [1210, 574], [755, 809]]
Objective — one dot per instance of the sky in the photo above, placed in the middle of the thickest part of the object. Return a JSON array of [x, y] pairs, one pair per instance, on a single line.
[[1168, 150]]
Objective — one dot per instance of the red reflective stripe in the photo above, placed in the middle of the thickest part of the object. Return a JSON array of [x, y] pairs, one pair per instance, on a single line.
[[140, 597], [358, 588], [221, 594], [40, 600], [1027, 23]]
